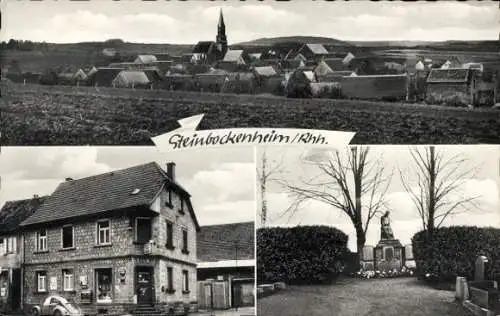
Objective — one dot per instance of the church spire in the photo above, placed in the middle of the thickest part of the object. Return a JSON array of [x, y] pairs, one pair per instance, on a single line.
[[221, 39], [221, 27]]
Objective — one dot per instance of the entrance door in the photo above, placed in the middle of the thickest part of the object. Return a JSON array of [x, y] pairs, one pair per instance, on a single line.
[[16, 289], [144, 285], [208, 296]]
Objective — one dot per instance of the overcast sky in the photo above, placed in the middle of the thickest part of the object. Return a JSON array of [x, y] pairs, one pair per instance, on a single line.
[[209, 176], [188, 22], [405, 221]]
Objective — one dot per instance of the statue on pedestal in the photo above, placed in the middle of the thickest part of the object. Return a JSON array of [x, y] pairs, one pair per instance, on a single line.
[[385, 227]]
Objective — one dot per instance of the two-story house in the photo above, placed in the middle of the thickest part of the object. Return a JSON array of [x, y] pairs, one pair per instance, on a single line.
[[113, 242], [11, 250]]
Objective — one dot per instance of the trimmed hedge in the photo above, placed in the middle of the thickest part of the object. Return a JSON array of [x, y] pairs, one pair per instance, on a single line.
[[454, 250], [300, 255]]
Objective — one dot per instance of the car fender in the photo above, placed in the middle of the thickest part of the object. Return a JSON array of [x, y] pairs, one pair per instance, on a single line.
[[61, 309], [37, 308]]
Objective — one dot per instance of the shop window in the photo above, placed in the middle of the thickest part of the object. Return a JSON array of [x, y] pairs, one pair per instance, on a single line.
[[68, 280], [104, 283]]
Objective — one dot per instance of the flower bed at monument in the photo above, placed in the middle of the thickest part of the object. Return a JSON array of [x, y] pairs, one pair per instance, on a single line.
[[395, 273]]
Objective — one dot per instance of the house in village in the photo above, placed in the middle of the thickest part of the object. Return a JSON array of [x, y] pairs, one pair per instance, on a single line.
[[455, 86], [11, 251], [208, 51], [113, 243], [327, 67], [131, 79], [104, 76], [267, 80], [226, 265], [375, 87], [311, 52], [235, 60], [145, 59]]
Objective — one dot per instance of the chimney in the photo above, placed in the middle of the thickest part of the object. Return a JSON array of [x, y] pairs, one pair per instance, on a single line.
[[171, 170]]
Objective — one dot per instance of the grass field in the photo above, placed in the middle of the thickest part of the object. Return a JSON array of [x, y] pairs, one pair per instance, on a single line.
[[43, 115]]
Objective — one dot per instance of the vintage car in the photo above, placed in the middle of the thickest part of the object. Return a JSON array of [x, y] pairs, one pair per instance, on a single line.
[[56, 306]]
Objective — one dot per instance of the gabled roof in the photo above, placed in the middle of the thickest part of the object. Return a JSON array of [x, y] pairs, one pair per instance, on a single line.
[[105, 192], [131, 77], [14, 212], [219, 242], [266, 71], [335, 64], [452, 75], [317, 49], [145, 59], [235, 55], [203, 47]]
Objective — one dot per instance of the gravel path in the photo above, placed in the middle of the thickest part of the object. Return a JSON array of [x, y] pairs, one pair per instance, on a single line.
[[380, 297]]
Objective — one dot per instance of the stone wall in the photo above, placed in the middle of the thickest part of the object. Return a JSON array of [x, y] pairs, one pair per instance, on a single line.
[[122, 292], [446, 92]]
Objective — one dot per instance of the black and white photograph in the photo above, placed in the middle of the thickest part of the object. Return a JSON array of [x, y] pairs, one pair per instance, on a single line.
[[121, 72], [378, 230], [127, 231]]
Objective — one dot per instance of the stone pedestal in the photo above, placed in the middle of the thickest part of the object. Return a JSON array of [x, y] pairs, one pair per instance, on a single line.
[[367, 259], [389, 255]]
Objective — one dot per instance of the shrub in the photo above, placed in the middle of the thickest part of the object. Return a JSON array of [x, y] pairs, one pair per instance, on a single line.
[[453, 251], [300, 255]]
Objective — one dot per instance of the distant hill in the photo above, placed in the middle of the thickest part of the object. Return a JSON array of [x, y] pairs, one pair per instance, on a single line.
[[294, 39]]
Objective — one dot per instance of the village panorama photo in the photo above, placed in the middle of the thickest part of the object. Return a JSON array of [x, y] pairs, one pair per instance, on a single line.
[[127, 231], [121, 72], [378, 231]]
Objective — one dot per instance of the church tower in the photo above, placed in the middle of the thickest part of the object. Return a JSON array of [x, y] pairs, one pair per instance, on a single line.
[[221, 39]]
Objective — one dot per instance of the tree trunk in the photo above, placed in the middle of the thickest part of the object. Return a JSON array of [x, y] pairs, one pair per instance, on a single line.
[[432, 197], [360, 243]]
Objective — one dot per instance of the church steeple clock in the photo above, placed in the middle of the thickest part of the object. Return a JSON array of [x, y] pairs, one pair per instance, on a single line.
[[221, 39]]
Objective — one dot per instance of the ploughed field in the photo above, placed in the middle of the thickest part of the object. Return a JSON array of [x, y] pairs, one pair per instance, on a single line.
[[44, 115]]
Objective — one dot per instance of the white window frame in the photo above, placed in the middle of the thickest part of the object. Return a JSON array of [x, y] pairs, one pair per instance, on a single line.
[[108, 229], [3, 246], [41, 240], [72, 237], [41, 280], [68, 280], [11, 245]]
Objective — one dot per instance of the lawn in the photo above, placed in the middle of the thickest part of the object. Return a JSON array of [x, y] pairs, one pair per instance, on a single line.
[[43, 115], [377, 297]]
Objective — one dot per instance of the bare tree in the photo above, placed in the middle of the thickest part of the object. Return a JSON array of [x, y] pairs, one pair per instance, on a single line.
[[267, 172], [437, 178], [345, 185]]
